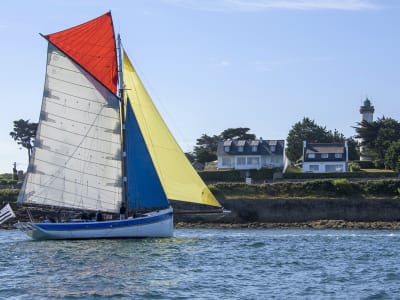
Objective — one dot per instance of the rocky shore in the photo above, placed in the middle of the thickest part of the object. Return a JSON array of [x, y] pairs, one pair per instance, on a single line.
[[321, 224]]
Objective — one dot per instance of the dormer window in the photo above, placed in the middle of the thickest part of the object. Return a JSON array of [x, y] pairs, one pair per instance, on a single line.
[[311, 155], [338, 155], [324, 155], [254, 148], [240, 148], [227, 145], [272, 148]]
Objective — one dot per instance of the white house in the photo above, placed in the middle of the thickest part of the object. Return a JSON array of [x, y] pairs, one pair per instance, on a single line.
[[321, 158], [250, 154]]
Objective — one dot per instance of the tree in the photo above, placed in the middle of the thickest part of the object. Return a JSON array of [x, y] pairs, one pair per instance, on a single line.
[[306, 130], [24, 133], [377, 136], [392, 156], [239, 133], [206, 148], [353, 147]]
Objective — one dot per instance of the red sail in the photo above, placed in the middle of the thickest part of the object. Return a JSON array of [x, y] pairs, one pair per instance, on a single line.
[[92, 46]]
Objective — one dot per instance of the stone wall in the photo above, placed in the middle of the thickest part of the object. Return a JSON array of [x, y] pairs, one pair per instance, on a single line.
[[302, 210]]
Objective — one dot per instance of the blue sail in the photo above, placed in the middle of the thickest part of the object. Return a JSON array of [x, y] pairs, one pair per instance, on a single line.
[[144, 189]]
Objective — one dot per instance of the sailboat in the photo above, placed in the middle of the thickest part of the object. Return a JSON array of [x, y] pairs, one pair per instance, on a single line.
[[102, 143]]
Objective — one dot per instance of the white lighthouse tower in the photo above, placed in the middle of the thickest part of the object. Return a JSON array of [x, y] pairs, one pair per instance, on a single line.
[[367, 114]]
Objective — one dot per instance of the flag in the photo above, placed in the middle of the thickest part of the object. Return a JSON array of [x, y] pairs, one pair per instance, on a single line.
[[6, 213]]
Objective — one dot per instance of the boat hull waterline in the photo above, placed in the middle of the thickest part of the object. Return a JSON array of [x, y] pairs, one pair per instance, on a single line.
[[155, 224]]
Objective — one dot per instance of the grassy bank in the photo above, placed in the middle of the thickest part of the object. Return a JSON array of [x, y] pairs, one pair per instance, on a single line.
[[326, 188]]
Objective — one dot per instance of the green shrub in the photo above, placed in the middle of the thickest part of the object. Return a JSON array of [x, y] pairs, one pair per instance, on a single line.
[[214, 189], [262, 174], [359, 175], [343, 187], [221, 176], [315, 188], [354, 167], [4, 181], [8, 195]]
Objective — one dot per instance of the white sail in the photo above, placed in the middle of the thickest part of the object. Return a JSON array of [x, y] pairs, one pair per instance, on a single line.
[[77, 157]]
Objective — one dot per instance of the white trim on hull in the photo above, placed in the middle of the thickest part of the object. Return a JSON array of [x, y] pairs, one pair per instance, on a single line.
[[155, 224]]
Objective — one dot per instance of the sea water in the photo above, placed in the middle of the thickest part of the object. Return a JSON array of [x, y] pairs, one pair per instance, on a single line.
[[206, 264]]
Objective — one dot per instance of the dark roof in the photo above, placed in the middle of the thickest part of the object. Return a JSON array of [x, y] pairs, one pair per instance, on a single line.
[[327, 148], [264, 147]]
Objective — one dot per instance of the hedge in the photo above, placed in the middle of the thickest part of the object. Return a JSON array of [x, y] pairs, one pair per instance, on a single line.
[[237, 175], [316, 188], [8, 195], [221, 176], [362, 175]]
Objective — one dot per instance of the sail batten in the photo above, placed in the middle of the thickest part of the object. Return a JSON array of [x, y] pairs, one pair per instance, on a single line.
[[91, 45], [80, 167]]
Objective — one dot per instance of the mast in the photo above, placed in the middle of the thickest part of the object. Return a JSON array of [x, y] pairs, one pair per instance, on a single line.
[[122, 110]]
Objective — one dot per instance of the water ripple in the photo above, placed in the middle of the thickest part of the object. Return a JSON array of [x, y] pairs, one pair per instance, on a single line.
[[205, 264]]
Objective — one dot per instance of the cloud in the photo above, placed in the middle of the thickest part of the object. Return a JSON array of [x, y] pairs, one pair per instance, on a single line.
[[268, 66], [222, 64], [262, 5]]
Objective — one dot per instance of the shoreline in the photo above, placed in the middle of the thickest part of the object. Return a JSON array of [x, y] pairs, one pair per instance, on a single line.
[[320, 224]]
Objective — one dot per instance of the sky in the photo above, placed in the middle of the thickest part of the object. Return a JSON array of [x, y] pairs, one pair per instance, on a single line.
[[210, 65]]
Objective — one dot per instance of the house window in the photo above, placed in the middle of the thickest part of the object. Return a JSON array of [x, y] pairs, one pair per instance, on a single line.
[[314, 168], [324, 155], [275, 159], [311, 155], [254, 148], [253, 161], [226, 161], [272, 148], [334, 168], [338, 155], [240, 148], [241, 161], [227, 148]]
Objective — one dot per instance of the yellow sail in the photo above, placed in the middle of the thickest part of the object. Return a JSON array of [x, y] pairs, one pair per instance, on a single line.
[[179, 179]]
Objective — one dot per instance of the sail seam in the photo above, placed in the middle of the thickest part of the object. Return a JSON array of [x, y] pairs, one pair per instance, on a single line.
[[84, 148], [80, 159], [79, 122], [82, 110], [74, 205], [75, 96], [72, 83], [70, 193], [82, 184], [63, 130], [71, 169]]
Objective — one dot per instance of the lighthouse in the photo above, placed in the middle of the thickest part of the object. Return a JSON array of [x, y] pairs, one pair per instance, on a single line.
[[367, 114]]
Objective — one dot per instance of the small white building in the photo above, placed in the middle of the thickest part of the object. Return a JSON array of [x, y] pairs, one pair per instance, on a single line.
[[324, 158], [250, 154]]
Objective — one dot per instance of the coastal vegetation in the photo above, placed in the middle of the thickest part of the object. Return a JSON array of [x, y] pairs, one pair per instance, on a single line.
[[24, 134], [308, 130], [382, 139], [206, 146], [323, 188]]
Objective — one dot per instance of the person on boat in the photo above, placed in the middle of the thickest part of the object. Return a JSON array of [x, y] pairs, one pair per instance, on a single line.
[[122, 211], [99, 216], [84, 216]]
